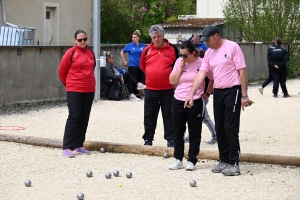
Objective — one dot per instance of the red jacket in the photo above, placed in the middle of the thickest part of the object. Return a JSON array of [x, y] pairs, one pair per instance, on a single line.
[[76, 70], [157, 63]]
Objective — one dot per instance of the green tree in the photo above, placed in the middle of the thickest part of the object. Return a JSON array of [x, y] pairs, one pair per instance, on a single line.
[[120, 18], [264, 20]]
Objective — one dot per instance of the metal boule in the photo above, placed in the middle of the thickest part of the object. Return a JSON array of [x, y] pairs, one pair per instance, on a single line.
[[108, 175], [128, 174], [116, 173]]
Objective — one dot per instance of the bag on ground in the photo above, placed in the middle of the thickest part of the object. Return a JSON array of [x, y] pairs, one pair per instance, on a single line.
[[115, 91]]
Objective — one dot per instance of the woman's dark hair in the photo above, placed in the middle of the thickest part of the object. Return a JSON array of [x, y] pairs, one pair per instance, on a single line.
[[189, 45], [278, 41], [78, 32]]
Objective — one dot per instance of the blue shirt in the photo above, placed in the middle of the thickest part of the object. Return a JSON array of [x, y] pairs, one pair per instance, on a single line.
[[134, 52], [201, 45]]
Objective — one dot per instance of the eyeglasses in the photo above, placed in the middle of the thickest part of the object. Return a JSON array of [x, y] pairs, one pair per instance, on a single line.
[[80, 40], [183, 55]]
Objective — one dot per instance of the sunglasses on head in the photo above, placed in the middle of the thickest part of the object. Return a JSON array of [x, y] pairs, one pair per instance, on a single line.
[[80, 40], [183, 55]]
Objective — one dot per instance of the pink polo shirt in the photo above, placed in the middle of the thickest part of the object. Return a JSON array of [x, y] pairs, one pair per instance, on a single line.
[[186, 80], [224, 64]]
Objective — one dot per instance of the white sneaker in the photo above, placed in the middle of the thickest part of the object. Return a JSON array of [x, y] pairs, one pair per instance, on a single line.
[[190, 166], [261, 90], [132, 97], [141, 86], [176, 165]]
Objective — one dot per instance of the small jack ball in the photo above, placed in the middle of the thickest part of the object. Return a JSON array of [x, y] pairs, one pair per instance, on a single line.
[[102, 150], [108, 175], [80, 196], [193, 183], [27, 183], [116, 173], [89, 173], [128, 174], [166, 155]]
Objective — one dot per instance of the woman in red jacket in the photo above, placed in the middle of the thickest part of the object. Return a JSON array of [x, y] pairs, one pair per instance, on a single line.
[[76, 72]]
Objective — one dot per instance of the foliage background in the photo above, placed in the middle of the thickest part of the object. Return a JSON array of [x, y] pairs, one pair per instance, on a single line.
[[120, 18], [264, 20]]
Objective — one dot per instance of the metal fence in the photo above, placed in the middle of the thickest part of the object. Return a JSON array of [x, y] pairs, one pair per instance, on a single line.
[[16, 35]]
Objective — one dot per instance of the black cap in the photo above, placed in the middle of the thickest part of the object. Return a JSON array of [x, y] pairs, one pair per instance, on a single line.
[[207, 32]]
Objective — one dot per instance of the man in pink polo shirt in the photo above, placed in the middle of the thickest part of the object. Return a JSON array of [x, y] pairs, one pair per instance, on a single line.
[[224, 63]]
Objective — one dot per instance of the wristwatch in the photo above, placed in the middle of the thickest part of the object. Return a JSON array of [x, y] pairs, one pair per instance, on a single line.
[[245, 96]]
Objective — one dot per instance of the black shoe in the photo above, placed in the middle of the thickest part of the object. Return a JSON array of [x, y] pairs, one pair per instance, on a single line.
[[138, 96], [148, 143], [286, 96], [170, 143], [275, 96]]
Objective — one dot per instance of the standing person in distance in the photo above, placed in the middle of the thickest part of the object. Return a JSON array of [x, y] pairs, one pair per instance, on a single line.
[[270, 78], [183, 74], [277, 61], [134, 50], [76, 72], [157, 62], [224, 63]]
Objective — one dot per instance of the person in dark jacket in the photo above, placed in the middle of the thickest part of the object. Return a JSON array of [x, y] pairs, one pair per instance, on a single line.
[[112, 72], [278, 59], [270, 78]]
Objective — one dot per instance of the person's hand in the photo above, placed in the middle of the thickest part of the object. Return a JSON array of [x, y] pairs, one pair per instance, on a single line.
[[125, 63], [246, 102], [205, 96], [122, 80], [276, 66], [189, 102], [182, 65]]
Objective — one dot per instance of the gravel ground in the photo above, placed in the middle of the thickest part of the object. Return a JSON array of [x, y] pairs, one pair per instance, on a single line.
[[270, 126]]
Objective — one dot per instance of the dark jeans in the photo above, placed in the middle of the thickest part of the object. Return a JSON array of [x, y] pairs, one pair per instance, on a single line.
[[269, 79], [79, 105], [279, 78], [227, 110], [128, 82], [193, 116], [139, 75], [153, 101]]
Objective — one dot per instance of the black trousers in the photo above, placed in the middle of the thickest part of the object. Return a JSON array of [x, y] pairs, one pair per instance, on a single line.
[[79, 105], [139, 75], [279, 78], [153, 101], [269, 79], [128, 82], [227, 110], [193, 116]]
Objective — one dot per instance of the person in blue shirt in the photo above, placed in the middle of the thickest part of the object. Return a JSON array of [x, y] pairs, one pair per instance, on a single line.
[[199, 45], [134, 50]]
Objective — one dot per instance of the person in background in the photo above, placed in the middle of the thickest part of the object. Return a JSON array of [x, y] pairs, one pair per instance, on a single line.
[[270, 78], [277, 61], [76, 72], [157, 62], [183, 74], [134, 49], [224, 63], [199, 44], [125, 78]]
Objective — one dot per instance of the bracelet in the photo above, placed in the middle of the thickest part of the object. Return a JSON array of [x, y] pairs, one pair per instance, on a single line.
[[207, 94], [244, 96]]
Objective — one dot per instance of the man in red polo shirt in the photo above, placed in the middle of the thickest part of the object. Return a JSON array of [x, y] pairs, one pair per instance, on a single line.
[[157, 61]]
